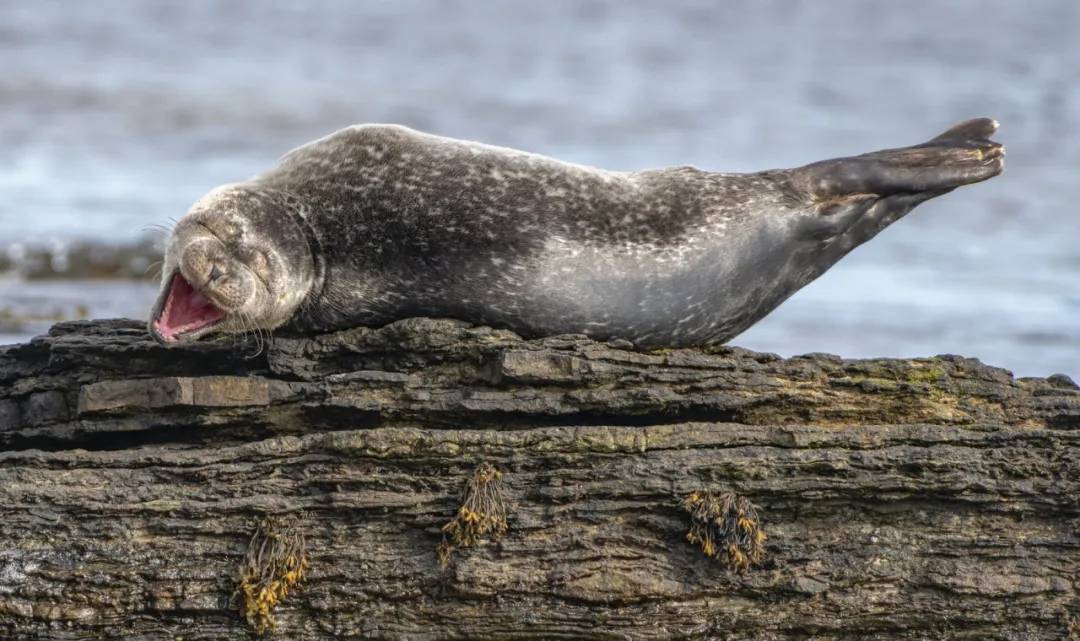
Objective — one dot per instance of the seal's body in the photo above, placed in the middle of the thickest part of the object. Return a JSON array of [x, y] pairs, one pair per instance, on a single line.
[[378, 222]]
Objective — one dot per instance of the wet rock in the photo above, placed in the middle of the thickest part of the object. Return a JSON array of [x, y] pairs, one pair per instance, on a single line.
[[901, 497]]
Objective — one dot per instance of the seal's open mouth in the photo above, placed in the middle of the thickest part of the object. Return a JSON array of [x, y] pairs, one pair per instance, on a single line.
[[185, 311]]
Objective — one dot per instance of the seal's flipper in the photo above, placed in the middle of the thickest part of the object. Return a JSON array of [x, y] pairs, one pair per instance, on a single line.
[[960, 156], [974, 129]]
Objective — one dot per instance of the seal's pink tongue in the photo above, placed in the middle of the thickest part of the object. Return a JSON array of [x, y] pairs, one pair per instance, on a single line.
[[185, 310]]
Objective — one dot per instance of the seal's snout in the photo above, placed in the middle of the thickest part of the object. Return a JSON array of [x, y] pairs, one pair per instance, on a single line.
[[185, 312], [222, 274]]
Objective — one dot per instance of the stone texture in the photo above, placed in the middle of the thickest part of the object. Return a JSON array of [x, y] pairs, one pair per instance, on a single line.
[[205, 391], [928, 498]]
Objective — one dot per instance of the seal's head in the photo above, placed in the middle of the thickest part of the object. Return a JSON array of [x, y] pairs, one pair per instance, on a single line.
[[238, 261]]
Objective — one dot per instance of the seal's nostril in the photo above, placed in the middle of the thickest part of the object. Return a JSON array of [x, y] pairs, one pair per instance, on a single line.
[[215, 273]]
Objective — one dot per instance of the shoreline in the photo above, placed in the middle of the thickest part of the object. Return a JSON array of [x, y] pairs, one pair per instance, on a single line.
[[77, 260], [29, 306]]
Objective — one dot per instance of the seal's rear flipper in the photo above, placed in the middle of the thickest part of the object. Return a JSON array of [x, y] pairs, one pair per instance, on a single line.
[[962, 155], [974, 129]]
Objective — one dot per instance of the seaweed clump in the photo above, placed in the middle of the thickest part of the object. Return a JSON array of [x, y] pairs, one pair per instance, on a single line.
[[482, 513], [275, 562], [726, 527]]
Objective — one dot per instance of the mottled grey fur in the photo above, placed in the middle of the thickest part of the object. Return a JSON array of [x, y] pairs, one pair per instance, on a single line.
[[396, 223]]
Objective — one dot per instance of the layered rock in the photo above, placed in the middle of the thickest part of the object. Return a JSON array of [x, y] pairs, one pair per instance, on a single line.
[[926, 498]]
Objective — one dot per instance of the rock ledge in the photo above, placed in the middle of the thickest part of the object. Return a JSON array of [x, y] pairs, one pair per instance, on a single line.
[[903, 499]]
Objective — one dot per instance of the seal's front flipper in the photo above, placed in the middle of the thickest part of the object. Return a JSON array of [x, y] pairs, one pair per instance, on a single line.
[[962, 155]]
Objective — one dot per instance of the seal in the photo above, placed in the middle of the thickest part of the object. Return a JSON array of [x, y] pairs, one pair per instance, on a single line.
[[376, 223]]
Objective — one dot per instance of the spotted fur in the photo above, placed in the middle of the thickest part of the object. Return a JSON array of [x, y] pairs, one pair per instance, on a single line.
[[379, 222]]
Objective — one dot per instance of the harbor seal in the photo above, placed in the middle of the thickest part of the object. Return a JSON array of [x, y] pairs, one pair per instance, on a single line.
[[375, 223]]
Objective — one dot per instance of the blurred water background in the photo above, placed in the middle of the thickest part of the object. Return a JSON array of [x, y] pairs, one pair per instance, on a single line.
[[116, 115]]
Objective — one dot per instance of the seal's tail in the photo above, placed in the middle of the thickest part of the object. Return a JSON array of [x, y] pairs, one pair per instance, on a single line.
[[962, 155]]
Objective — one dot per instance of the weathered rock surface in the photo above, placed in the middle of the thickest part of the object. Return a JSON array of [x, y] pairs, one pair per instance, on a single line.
[[903, 499]]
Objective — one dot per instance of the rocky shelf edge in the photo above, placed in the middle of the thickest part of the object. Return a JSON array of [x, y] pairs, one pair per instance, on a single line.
[[902, 499]]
